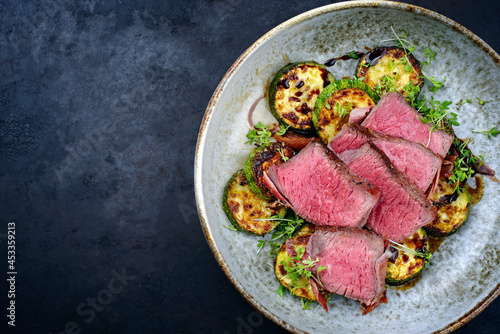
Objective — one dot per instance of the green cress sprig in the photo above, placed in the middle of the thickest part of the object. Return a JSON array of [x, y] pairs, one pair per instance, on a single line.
[[493, 132], [438, 113], [431, 55], [342, 111], [405, 249], [434, 111], [285, 230], [298, 268], [283, 156], [462, 169], [261, 134]]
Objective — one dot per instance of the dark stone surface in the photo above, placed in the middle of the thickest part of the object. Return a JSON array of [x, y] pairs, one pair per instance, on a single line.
[[100, 106]]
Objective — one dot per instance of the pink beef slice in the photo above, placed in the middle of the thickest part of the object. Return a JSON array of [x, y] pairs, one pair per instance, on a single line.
[[357, 115], [402, 208], [355, 261], [394, 116], [320, 188], [418, 163]]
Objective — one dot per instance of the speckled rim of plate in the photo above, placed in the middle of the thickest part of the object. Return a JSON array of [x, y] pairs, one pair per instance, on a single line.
[[215, 97]]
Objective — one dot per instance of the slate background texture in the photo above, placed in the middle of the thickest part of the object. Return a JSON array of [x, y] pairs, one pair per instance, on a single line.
[[100, 106]]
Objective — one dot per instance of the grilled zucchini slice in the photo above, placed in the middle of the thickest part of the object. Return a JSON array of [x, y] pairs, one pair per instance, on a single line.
[[302, 288], [450, 216], [258, 163], [445, 192], [387, 69], [294, 90], [332, 108], [403, 267], [243, 207]]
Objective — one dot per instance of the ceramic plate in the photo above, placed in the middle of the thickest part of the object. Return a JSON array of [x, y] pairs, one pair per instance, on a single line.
[[465, 273]]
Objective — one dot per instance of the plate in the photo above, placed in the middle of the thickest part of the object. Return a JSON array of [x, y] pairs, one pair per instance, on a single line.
[[465, 272]]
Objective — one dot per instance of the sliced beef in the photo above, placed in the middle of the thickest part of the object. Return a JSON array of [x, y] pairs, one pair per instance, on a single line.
[[357, 115], [402, 208], [394, 116], [320, 188], [416, 162], [351, 137], [355, 261]]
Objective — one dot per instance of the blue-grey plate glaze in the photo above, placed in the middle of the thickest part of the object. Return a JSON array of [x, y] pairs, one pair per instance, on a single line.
[[464, 274]]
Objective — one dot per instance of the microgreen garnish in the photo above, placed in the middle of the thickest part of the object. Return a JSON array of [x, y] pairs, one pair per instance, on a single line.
[[353, 55], [392, 65], [283, 231], [405, 249], [306, 303], [230, 227], [281, 291], [282, 130], [260, 245], [481, 102], [434, 111], [283, 156], [436, 84], [493, 132], [462, 169], [408, 49], [342, 111], [298, 268], [462, 102], [386, 84], [482, 160], [431, 55], [260, 135], [410, 91]]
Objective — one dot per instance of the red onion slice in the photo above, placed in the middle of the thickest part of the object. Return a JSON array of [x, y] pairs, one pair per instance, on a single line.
[[252, 108]]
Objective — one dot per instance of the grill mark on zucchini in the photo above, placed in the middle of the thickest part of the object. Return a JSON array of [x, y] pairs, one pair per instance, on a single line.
[[259, 161], [390, 62], [450, 217], [243, 208], [406, 267], [344, 94], [294, 90], [445, 193]]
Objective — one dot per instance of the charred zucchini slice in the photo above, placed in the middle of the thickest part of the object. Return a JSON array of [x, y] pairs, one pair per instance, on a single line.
[[445, 193], [258, 163], [294, 90], [391, 68], [403, 266], [244, 208], [450, 216], [332, 108], [302, 288]]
